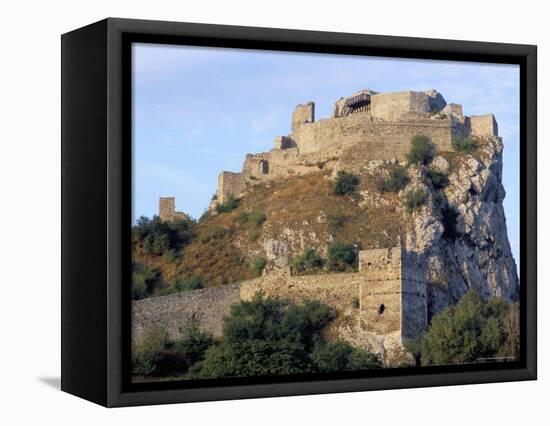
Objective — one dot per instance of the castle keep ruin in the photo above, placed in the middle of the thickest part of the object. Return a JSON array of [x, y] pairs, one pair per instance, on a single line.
[[396, 290], [364, 126]]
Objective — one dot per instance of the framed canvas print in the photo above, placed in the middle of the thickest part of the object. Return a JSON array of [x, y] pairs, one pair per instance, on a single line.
[[253, 212]]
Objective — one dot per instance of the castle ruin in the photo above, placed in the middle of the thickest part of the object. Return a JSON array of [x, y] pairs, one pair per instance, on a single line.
[[364, 126], [386, 301], [167, 210]]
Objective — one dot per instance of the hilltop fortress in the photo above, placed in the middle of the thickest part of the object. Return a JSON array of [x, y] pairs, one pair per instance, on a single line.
[[396, 290], [365, 126]]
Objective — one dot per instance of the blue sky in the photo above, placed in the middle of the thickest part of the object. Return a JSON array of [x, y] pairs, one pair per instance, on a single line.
[[198, 111]]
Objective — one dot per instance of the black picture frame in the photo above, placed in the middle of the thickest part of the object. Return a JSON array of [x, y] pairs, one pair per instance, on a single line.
[[96, 209]]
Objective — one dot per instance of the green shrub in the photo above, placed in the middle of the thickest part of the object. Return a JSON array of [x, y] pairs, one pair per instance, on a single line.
[[346, 183], [243, 217], [308, 261], [148, 351], [144, 281], [267, 336], [231, 204], [193, 342], [438, 179], [464, 144], [414, 199], [258, 265], [339, 356], [356, 303], [139, 287], [158, 237], [470, 331], [422, 150], [396, 180], [257, 218], [180, 285], [341, 256]]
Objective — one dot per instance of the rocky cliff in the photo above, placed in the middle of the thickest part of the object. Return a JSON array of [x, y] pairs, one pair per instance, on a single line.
[[459, 238]]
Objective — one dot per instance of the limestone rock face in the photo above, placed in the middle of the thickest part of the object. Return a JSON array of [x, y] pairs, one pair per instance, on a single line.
[[459, 238]]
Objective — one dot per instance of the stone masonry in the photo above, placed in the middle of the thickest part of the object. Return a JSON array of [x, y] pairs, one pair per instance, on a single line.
[[392, 302], [364, 126], [167, 210]]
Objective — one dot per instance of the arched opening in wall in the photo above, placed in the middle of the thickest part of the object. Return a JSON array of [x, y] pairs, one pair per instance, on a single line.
[[381, 309], [265, 167]]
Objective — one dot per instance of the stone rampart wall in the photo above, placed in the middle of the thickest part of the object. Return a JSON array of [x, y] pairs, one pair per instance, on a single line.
[[375, 140], [206, 307]]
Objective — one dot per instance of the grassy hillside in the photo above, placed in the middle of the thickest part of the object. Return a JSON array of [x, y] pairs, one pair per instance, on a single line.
[[302, 211]]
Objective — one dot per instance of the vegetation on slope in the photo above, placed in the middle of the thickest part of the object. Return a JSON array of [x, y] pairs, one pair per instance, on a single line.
[[474, 330], [261, 337], [309, 212]]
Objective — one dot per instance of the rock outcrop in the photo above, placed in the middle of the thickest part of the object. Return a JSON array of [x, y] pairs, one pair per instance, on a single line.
[[459, 239]]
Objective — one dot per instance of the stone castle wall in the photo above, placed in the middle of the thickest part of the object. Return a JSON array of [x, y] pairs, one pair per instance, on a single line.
[[381, 130], [206, 307], [392, 301]]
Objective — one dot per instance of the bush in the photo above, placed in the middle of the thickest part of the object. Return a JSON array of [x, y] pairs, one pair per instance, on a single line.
[[258, 265], [158, 237], [345, 183], [438, 179], [180, 285], [231, 204], [144, 281], [148, 351], [257, 218], [308, 261], [193, 342], [464, 144], [422, 150], [396, 180], [341, 256], [339, 356], [267, 336], [470, 331], [414, 199]]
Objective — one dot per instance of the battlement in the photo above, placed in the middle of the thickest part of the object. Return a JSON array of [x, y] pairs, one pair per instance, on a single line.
[[364, 126]]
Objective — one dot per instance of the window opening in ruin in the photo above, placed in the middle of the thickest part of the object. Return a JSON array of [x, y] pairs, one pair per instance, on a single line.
[[265, 167], [381, 309]]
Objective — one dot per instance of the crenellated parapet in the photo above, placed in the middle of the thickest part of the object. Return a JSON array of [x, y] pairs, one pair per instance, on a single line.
[[364, 126]]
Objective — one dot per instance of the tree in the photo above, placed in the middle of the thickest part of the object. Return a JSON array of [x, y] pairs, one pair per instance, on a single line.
[[267, 336], [339, 356], [397, 180], [148, 351], [341, 256], [471, 330], [464, 144], [345, 183], [422, 150], [193, 342], [160, 237], [414, 199], [309, 260]]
